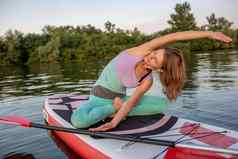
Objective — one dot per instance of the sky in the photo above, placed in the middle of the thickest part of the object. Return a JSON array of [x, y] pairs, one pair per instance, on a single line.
[[147, 15]]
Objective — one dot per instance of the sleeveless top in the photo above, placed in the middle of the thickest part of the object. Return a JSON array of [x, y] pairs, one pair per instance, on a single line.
[[119, 74]]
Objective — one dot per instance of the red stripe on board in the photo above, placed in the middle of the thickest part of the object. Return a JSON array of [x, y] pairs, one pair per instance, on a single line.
[[184, 153], [219, 140]]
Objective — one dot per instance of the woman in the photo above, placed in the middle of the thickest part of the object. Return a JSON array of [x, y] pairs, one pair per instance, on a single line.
[[132, 68]]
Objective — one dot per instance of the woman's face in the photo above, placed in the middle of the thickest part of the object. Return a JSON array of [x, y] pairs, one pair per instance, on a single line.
[[155, 59]]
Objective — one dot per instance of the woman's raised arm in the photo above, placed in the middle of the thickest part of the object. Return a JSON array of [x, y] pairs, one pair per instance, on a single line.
[[156, 43]]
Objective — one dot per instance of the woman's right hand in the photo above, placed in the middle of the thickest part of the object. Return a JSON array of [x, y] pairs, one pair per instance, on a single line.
[[105, 127], [220, 36]]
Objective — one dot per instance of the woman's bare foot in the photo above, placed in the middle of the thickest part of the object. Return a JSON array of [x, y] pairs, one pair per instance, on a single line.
[[117, 103]]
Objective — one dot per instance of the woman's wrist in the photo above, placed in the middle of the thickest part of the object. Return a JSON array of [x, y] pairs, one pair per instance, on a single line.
[[219, 36], [114, 122], [119, 115]]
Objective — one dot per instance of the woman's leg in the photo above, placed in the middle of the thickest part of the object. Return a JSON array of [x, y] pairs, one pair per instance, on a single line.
[[148, 105], [91, 112]]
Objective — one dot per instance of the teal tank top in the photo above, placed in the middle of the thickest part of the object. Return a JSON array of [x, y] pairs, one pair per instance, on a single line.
[[119, 73]]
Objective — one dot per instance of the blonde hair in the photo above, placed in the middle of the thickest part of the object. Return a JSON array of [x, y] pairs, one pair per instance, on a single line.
[[173, 73]]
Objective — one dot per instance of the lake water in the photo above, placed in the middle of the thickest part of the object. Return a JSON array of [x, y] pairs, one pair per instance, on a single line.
[[210, 95]]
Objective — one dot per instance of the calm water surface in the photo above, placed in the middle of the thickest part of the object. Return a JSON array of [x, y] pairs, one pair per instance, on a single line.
[[210, 95]]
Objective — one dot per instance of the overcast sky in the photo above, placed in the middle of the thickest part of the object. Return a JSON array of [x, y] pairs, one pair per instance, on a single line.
[[148, 15]]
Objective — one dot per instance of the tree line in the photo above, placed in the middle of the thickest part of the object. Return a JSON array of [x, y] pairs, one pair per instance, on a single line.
[[81, 43]]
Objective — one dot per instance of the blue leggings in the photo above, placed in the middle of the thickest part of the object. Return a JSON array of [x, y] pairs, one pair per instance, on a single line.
[[97, 109]]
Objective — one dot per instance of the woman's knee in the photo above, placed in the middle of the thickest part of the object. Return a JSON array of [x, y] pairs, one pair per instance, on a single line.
[[160, 106], [149, 105], [83, 118], [80, 119]]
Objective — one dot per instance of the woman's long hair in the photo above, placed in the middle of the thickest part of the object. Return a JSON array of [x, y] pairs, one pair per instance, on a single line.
[[173, 73]]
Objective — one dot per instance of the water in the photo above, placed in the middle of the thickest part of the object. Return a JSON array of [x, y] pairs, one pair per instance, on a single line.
[[210, 95]]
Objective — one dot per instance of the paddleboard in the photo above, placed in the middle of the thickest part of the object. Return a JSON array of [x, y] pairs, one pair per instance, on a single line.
[[57, 111]]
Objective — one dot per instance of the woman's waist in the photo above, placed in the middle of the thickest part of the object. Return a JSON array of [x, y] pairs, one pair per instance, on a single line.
[[103, 92]]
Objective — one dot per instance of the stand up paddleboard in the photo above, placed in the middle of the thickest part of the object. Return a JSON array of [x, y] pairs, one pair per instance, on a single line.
[[192, 139]]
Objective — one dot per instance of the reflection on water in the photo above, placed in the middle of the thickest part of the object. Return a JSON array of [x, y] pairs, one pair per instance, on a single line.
[[47, 79], [210, 95]]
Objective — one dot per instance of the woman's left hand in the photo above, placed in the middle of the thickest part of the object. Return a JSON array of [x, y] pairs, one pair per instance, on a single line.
[[105, 127], [220, 36]]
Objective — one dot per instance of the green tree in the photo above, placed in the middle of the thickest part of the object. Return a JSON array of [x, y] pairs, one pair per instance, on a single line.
[[3, 51], [48, 50], [15, 49], [183, 19], [67, 43], [109, 27], [218, 24], [30, 44]]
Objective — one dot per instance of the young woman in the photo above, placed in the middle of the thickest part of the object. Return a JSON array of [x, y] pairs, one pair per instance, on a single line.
[[132, 68]]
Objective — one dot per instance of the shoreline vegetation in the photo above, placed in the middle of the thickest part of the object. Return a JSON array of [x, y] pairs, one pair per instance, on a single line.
[[82, 43]]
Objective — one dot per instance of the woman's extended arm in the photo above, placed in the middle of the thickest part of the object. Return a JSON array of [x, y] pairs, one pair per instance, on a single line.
[[156, 43], [126, 107]]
